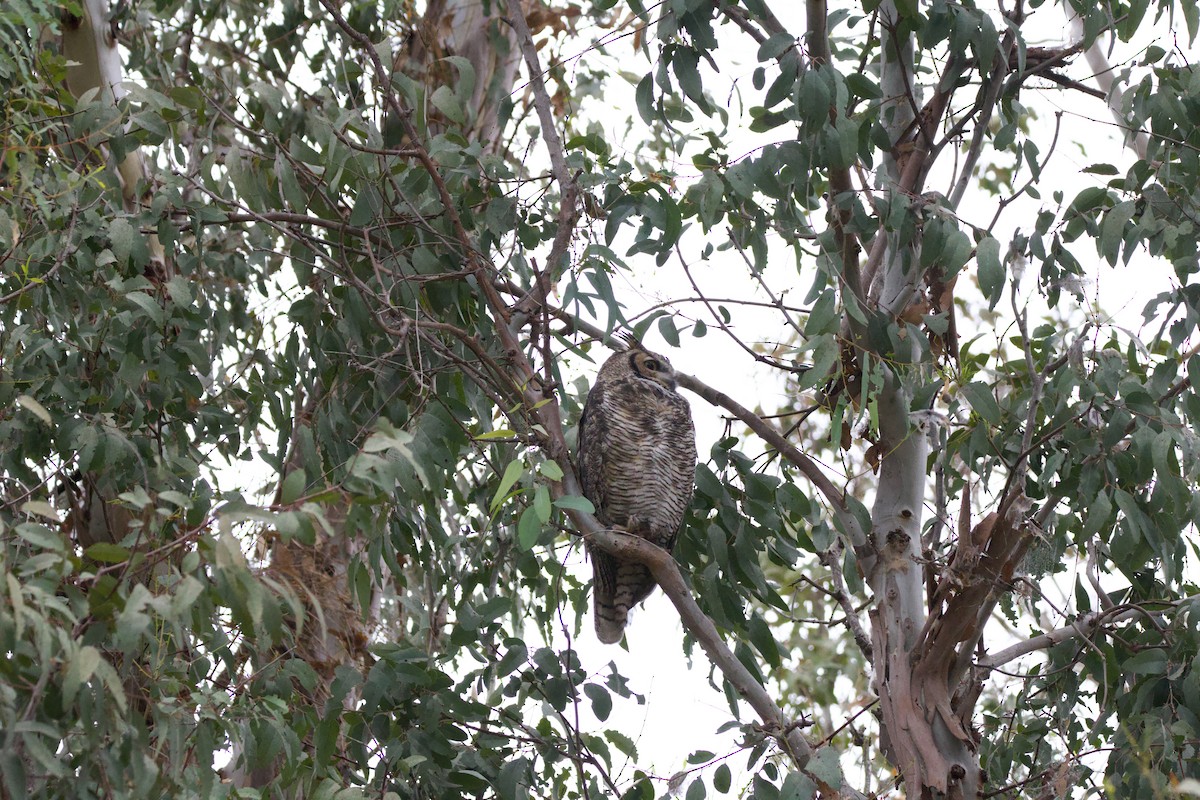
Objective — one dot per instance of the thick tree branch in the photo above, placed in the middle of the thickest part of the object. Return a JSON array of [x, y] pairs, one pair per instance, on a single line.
[[933, 750], [667, 575]]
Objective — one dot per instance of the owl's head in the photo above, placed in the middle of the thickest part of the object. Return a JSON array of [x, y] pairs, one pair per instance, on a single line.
[[634, 361]]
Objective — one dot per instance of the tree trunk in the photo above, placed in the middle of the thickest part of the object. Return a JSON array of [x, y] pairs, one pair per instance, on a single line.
[[935, 755]]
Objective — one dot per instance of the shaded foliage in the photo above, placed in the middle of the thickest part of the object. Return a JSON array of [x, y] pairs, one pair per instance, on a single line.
[[288, 498]]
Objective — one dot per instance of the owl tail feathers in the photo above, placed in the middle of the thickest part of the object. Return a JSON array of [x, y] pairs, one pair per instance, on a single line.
[[616, 592], [610, 621]]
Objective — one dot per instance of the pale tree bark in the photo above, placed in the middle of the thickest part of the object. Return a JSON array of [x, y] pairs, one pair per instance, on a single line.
[[89, 44], [464, 28], [933, 753], [924, 646]]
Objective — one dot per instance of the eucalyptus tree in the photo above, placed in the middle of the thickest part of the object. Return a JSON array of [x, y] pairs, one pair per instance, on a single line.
[[293, 295]]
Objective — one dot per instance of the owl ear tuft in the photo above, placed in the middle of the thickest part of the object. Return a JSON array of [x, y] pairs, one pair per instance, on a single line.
[[631, 341]]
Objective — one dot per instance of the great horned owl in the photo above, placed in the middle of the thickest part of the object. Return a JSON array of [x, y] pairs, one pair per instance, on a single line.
[[637, 463]]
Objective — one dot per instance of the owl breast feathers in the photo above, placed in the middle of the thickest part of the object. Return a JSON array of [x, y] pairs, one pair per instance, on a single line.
[[637, 462]]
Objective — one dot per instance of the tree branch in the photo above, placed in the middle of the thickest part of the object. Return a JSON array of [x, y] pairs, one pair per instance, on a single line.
[[670, 579], [568, 208], [1084, 627], [1102, 73]]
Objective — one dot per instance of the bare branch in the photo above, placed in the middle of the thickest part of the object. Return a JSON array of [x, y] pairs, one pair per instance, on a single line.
[[830, 559], [1102, 73], [568, 211], [1082, 628]]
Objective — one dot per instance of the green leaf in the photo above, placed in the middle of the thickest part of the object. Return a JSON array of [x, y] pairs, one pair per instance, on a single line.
[[41, 509], [685, 63], [764, 641], [325, 739], [601, 700], [722, 778], [107, 553], [621, 742], [666, 327], [465, 86], [823, 318], [644, 98], [551, 470], [763, 789], [40, 535], [991, 271], [982, 402], [79, 671], [512, 472], [862, 86], [541, 503], [1112, 230], [1097, 514], [12, 773], [367, 206], [499, 433], [775, 46], [121, 235], [443, 100], [178, 499], [574, 502], [293, 487], [147, 304], [826, 768], [1147, 662], [798, 786], [529, 528]]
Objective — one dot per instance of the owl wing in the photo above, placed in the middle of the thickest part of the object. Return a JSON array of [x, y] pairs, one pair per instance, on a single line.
[[595, 429], [680, 472], [593, 437]]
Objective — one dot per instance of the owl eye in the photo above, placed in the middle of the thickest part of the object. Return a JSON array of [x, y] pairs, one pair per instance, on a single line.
[[652, 365]]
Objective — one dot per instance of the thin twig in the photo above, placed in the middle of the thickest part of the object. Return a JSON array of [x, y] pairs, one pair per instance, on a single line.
[[1084, 627], [830, 559]]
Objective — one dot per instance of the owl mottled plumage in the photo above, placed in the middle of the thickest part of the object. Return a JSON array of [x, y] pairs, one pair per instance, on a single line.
[[637, 462]]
